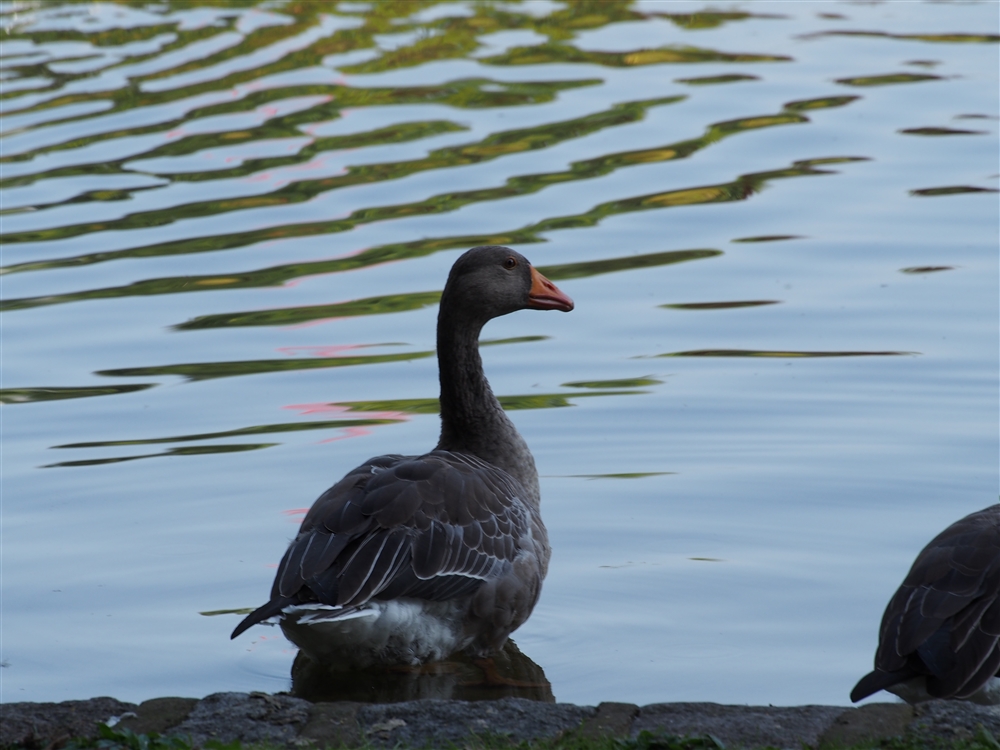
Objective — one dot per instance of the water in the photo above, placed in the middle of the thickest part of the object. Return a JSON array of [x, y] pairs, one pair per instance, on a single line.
[[224, 233]]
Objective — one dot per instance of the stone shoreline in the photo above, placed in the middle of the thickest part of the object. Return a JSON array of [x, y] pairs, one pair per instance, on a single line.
[[282, 720]]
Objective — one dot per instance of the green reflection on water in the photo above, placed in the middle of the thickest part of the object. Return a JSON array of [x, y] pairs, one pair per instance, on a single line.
[[397, 133], [440, 39], [509, 403], [709, 19], [823, 102], [891, 78], [471, 93], [926, 269], [388, 303], [216, 612], [710, 80], [189, 450], [740, 189], [623, 475], [563, 53], [623, 383], [394, 303], [625, 263], [398, 407], [945, 38], [769, 238], [209, 370], [776, 354], [329, 424], [456, 37], [941, 131], [719, 305], [522, 185], [493, 146], [952, 190], [27, 395], [451, 37]]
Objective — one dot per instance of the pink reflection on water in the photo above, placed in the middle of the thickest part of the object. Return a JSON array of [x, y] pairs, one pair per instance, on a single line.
[[320, 162], [317, 322], [265, 177], [354, 430], [348, 432], [331, 350], [321, 408]]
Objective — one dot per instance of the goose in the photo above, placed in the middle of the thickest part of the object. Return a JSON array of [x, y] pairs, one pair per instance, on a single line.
[[940, 634], [410, 559]]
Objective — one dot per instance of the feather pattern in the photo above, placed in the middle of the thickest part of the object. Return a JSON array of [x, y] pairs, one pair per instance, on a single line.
[[940, 634]]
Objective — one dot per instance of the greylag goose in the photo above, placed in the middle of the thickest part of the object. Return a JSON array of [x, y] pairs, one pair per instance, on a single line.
[[940, 631], [410, 559]]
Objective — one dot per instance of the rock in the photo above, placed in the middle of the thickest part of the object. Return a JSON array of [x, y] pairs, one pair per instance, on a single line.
[[426, 722], [740, 726], [247, 717], [868, 723], [158, 715], [333, 725], [286, 721], [953, 720], [611, 720], [37, 725]]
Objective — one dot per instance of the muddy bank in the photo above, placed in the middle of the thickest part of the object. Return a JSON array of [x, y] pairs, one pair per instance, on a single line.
[[293, 722]]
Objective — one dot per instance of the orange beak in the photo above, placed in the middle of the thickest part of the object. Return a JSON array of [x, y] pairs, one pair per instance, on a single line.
[[545, 295]]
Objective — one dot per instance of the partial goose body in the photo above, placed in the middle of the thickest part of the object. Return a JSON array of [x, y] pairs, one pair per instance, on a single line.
[[410, 559], [940, 634]]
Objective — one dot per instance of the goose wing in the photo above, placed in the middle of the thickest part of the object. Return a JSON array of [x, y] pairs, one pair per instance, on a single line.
[[432, 527], [944, 620]]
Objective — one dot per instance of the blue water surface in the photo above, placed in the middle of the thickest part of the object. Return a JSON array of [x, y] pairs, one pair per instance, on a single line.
[[201, 205]]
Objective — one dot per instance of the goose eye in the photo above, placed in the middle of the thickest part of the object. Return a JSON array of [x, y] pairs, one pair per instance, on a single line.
[[510, 263]]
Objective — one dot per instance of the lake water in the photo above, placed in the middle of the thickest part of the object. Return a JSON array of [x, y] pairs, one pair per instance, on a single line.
[[225, 230]]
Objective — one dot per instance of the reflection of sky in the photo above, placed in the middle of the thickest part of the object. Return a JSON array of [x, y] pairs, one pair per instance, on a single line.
[[256, 59], [814, 481], [500, 41]]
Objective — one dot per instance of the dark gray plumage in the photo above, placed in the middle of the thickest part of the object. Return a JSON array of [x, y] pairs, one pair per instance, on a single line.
[[411, 558], [940, 634]]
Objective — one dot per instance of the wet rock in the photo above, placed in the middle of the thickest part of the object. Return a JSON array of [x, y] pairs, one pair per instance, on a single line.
[[158, 715], [740, 726], [421, 723], [37, 725], [247, 717]]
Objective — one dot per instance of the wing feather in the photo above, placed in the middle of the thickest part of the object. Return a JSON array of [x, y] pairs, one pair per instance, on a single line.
[[944, 620], [358, 568], [433, 527]]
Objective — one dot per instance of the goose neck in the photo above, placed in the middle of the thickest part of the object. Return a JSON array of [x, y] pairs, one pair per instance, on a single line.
[[472, 419]]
